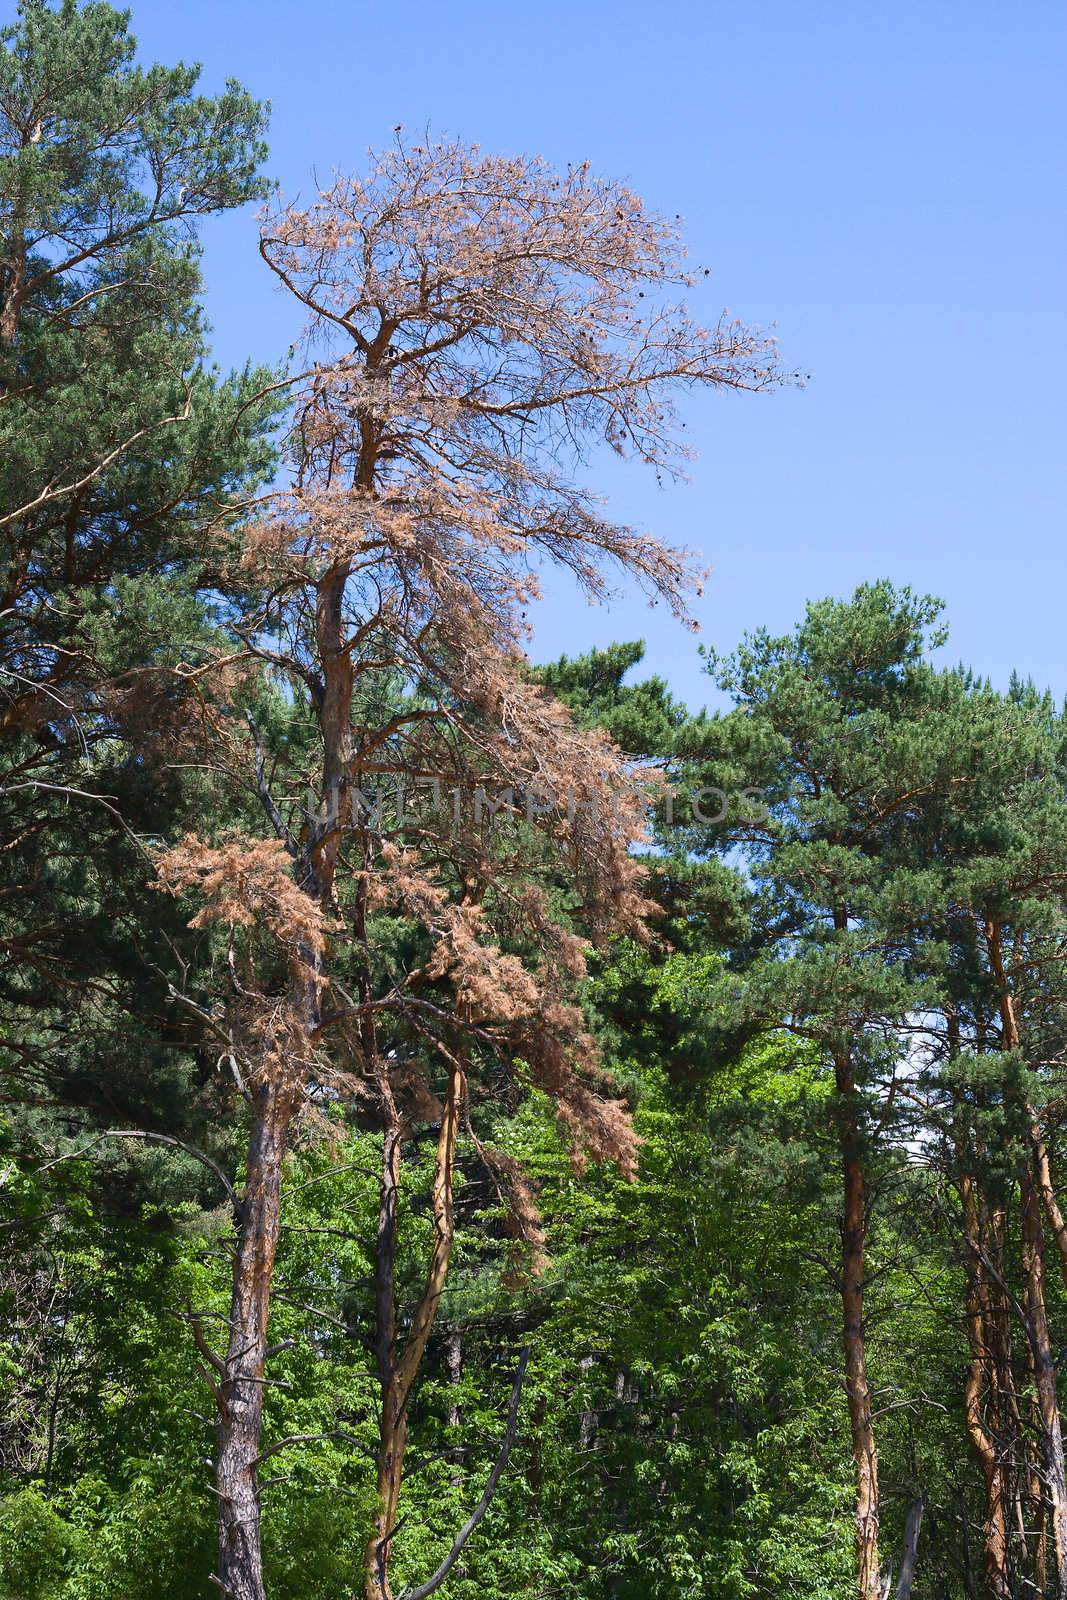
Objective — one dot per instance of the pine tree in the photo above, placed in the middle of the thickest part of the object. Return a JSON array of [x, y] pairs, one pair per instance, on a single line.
[[828, 727], [119, 446], [476, 313]]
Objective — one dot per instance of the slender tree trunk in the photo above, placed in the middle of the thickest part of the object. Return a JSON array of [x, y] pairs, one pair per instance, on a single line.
[[392, 1422], [981, 1382], [1041, 1549], [243, 1372], [982, 1411], [454, 1364], [910, 1551], [970, 1588], [589, 1420], [1034, 1262], [1057, 1225], [1047, 1190], [1033, 1454], [53, 1425], [397, 1375], [15, 276], [857, 1385], [1004, 1414], [1045, 1378], [1031, 1473]]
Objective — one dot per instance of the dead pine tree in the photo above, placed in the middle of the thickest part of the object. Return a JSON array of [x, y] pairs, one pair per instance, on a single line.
[[476, 326]]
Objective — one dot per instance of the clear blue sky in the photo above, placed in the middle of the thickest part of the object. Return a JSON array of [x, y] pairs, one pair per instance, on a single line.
[[885, 183]]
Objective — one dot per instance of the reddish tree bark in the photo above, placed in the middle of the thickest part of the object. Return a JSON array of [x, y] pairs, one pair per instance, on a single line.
[[979, 1391], [1044, 1367], [1036, 1306]]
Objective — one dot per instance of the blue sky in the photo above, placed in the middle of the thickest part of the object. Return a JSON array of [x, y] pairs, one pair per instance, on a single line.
[[884, 184]]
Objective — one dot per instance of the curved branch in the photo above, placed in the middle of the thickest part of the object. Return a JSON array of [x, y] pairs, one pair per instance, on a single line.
[[267, 800], [160, 1138], [438, 1578], [49, 494]]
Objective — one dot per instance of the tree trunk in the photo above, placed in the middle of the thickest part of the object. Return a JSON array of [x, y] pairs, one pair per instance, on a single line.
[[1047, 1190], [857, 1387], [454, 1364], [239, 1390], [909, 1554], [15, 278], [1041, 1550], [242, 1375], [981, 1380], [1054, 1215], [1045, 1377], [589, 1420], [393, 1423], [1044, 1365], [397, 1376], [981, 1395], [969, 1586]]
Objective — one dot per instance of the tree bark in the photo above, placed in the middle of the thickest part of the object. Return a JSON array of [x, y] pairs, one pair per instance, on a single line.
[[1041, 1549], [981, 1396], [1035, 1266], [397, 1374], [909, 1554], [241, 1376], [1047, 1190], [857, 1386], [376, 1561], [15, 275], [454, 1365], [981, 1380], [1045, 1378], [589, 1421]]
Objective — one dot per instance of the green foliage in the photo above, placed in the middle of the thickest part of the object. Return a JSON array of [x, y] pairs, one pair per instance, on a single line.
[[118, 444], [642, 718], [36, 1547], [684, 1431]]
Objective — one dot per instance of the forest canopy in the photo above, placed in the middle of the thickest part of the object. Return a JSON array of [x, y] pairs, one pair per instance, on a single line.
[[470, 1124]]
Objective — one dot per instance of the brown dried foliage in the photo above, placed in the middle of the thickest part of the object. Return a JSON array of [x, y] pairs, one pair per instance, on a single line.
[[475, 325]]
